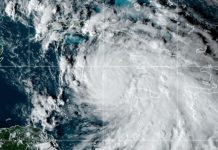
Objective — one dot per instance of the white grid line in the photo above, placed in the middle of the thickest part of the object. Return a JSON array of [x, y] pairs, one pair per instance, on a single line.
[[106, 140], [177, 71], [175, 67], [29, 66], [104, 131], [29, 99]]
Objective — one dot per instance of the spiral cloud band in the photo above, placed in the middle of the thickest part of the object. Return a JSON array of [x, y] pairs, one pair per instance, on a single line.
[[147, 72]]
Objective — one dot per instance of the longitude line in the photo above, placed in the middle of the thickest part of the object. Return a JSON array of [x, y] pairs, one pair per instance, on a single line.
[[104, 134], [29, 71], [177, 70]]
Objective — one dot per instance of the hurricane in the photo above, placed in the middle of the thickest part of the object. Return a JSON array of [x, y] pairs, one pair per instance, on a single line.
[[114, 75]]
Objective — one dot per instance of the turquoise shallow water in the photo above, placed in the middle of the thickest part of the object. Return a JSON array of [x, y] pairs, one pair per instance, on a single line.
[[74, 39], [122, 2]]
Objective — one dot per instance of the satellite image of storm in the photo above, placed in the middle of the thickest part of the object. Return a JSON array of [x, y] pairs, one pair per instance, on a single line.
[[108, 74]]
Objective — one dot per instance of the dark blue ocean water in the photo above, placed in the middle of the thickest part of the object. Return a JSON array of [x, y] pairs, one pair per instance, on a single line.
[[12, 104], [204, 8], [14, 39]]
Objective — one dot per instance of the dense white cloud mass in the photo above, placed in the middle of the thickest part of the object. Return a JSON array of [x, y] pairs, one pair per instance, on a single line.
[[143, 69]]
